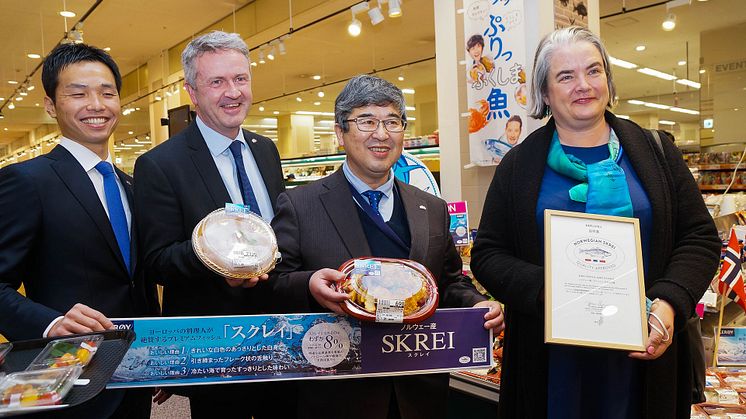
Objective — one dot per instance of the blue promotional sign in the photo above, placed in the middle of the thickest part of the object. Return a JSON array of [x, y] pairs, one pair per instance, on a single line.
[[732, 347], [172, 351]]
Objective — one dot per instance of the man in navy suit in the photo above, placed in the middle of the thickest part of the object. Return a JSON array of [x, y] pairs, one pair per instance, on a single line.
[[212, 162], [67, 224]]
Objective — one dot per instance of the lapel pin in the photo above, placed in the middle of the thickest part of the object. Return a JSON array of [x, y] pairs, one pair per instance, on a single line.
[[422, 207], [253, 140]]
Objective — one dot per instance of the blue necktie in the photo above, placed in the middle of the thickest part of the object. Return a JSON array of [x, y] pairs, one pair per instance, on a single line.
[[117, 217], [247, 193], [374, 199]]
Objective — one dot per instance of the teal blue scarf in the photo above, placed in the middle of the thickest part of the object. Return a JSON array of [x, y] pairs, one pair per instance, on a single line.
[[603, 185]]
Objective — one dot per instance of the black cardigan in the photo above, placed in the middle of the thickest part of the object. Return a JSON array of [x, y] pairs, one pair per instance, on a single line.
[[507, 260]]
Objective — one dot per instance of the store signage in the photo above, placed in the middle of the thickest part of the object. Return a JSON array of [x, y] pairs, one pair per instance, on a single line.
[[739, 65], [459, 222], [496, 89], [412, 171], [732, 346], [174, 351]]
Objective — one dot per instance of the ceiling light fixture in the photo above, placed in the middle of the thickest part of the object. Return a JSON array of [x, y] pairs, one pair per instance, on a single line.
[[299, 99], [317, 103], [281, 47], [34, 56], [316, 77], [12, 82], [656, 73], [107, 49], [702, 71], [669, 23], [320, 93], [682, 62], [261, 108], [261, 57], [622, 63], [67, 13], [666, 122], [30, 87], [640, 48], [11, 105], [408, 91], [689, 83], [394, 8], [355, 26], [271, 53], [376, 16]]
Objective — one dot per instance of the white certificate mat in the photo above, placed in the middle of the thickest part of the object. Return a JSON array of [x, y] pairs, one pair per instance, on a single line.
[[594, 287]]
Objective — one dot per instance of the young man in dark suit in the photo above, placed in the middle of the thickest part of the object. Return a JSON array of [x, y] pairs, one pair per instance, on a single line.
[[67, 223], [321, 225], [179, 182]]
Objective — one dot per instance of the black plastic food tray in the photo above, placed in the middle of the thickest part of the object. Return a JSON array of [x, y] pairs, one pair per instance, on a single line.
[[98, 371]]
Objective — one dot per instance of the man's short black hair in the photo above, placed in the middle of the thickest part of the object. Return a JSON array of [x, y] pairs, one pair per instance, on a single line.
[[475, 40], [67, 54]]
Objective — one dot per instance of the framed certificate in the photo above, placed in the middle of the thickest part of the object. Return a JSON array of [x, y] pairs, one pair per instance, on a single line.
[[594, 286]]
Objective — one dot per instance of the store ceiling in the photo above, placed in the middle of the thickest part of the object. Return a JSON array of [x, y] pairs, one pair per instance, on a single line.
[[137, 30]]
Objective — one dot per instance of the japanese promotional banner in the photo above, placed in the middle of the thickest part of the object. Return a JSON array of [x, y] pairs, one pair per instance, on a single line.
[[459, 223], [172, 351], [732, 347], [497, 92]]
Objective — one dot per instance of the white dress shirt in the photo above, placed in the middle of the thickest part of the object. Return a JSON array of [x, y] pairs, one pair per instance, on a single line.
[[218, 145], [386, 205]]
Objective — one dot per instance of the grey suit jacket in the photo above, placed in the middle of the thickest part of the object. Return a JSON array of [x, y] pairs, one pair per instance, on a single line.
[[317, 226]]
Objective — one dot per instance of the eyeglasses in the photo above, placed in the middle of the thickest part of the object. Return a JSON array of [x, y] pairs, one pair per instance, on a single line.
[[371, 124]]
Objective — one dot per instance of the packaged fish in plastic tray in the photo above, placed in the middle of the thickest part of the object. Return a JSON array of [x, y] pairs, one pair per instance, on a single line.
[[388, 290], [67, 352], [235, 243], [37, 388]]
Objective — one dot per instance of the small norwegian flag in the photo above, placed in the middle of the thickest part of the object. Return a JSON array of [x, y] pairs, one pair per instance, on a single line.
[[731, 277]]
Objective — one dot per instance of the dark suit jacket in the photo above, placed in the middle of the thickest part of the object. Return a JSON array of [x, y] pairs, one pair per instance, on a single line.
[[318, 226], [508, 260], [177, 185], [58, 241]]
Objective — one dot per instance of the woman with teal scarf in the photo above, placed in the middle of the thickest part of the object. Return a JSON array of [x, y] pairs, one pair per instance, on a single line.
[[587, 160]]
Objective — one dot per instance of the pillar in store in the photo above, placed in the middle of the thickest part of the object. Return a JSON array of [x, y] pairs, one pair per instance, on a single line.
[[456, 182], [426, 109], [294, 135]]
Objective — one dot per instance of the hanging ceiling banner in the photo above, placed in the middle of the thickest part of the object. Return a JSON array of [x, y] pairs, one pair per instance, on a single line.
[[496, 88]]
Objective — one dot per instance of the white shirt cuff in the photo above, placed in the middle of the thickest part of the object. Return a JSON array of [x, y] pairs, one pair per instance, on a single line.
[[46, 331]]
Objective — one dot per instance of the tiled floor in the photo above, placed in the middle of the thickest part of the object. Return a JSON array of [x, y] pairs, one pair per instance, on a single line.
[[177, 407]]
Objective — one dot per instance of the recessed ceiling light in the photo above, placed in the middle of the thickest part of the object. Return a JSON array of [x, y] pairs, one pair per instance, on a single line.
[[12, 82], [320, 93], [34, 56], [276, 112], [130, 132], [19, 98], [682, 62], [5, 129], [2, 99], [261, 108], [67, 13], [656, 73], [400, 78], [408, 91], [640, 48], [702, 71], [107, 49], [317, 103], [36, 104], [316, 77], [665, 122], [299, 99]]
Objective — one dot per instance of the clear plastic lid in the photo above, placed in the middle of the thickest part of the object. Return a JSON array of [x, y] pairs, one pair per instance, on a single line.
[[235, 243], [67, 352], [4, 349], [37, 388], [388, 290]]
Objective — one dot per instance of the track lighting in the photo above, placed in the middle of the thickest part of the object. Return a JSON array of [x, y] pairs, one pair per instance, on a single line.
[[670, 23]]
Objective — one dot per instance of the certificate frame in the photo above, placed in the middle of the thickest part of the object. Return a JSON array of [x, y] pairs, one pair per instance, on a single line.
[[578, 282]]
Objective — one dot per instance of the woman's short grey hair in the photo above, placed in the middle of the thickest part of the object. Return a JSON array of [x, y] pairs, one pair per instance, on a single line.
[[366, 90], [543, 59], [209, 42]]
